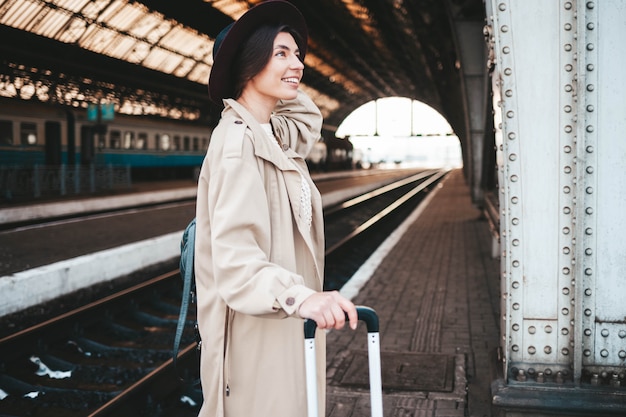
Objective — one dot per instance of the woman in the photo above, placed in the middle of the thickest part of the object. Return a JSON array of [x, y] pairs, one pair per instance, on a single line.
[[259, 238]]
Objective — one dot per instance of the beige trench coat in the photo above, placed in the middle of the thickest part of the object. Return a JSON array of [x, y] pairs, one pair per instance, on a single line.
[[256, 260]]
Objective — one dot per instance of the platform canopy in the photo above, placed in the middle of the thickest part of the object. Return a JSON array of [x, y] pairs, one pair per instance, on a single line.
[[159, 52]]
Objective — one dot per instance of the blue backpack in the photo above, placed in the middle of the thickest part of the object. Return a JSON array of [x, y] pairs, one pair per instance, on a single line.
[[187, 245]]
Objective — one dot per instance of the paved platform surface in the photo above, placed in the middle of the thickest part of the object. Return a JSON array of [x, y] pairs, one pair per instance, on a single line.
[[435, 288]]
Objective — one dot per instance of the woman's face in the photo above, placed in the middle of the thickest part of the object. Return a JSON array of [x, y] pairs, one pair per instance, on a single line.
[[281, 76]]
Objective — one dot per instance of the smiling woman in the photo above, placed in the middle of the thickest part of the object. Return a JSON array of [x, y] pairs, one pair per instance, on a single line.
[[259, 254]]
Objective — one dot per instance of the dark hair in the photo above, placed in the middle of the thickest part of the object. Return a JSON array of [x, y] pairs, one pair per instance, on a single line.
[[256, 52]]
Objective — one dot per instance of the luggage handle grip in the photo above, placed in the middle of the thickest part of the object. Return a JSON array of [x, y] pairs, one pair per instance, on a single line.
[[365, 314]]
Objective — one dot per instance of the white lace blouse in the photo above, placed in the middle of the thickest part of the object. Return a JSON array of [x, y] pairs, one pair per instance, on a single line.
[[305, 189]]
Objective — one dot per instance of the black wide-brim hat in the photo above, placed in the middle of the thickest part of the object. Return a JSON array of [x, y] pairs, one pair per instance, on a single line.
[[230, 39]]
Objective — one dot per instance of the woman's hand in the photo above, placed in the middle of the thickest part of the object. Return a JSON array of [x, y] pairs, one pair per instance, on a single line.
[[329, 310]]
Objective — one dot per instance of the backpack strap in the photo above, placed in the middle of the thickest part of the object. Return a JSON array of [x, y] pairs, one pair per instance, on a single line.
[[187, 272]]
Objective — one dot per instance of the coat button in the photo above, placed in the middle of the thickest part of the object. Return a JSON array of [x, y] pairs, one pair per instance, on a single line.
[[238, 122], [285, 146], [290, 301]]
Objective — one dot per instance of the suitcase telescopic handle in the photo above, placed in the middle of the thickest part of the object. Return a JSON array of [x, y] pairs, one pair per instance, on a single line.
[[369, 316], [365, 314]]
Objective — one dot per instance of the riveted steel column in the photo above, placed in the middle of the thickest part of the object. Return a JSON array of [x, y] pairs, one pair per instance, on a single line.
[[560, 118]]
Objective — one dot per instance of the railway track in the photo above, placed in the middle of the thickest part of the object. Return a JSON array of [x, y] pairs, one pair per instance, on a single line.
[[113, 357]]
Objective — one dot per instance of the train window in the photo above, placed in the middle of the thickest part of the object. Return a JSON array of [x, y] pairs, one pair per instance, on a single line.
[[128, 139], [186, 143], [115, 139], [28, 133], [196, 144], [6, 132], [101, 140], [163, 142], [176, 146], [142, 140]]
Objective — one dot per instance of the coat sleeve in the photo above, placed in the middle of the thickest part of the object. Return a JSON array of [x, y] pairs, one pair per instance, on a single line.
[[298, 121], [240, 234]]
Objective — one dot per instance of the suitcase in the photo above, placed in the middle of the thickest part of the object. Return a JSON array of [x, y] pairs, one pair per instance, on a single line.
[[369, 316]]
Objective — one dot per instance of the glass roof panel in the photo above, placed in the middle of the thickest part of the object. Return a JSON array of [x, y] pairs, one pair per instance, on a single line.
[[19, 14], [128, 30], [74, 6]]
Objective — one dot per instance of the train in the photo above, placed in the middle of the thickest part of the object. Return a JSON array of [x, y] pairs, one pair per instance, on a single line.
[[152, 148]]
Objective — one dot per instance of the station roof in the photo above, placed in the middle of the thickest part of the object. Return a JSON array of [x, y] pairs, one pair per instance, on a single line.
[[160, 51]]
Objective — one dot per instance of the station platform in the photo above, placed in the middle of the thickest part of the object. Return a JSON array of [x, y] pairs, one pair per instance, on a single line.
[[435, 287]]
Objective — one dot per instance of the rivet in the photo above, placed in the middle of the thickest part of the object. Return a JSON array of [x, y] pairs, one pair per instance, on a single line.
[[515, 221], [564, 331], [589, 190], [590, 108], [567, 170], [521, 376], [532, 350], [588, 312], [604, 353], [589, 231], [588, 251], [590, 5], [512, 157], [566, 230], [508, 93], [568, 5], [604, 333], [547, 350], [565, 291], [514, 178], [514, 200], [567, 210], [589, 170], [567, 109], [567, 189], [589, 210], [510, 114], [587, 352], [504, 28], [548, 329], [515, 242], [568, 129], [532, 330], [516, 327], [506, 50], [566, 271], [588, 292], [591, 26], [515, 348], [587, 332], [565, 312], [502, 7], [516, 306], [512, 136], [589, 128], [589, 149], [567, 149], [515, 264], [590, 47], [508, 71], [590, 87], [515, 284], [568, 26], [622, 334], [566, 250], [568, 88], [569, 67], [588, 272], [622, 354], [568, 47], [590, 67], [540, 377]]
